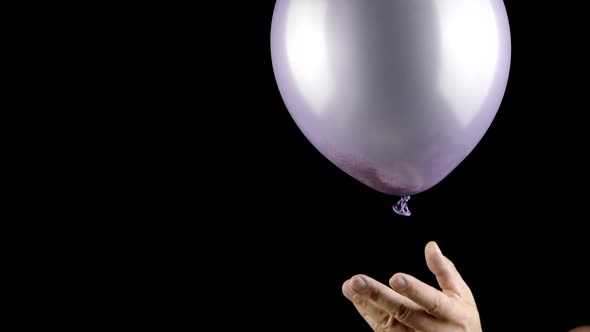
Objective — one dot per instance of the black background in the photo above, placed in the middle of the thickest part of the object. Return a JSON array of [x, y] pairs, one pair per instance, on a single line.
[[164, 181], [238, 221], [294, 227]]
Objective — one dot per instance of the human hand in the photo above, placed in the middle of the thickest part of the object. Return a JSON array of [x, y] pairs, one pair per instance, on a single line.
[[413, 305], [585, 328]]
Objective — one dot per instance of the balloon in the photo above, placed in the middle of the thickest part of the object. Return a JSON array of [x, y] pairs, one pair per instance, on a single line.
[[396, 93]]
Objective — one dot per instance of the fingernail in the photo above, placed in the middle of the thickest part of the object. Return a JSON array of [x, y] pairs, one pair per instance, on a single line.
[[399, 282], [435, 249], [359, 285]]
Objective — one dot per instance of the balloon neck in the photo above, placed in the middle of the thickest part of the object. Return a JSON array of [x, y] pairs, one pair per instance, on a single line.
[[401, 207]]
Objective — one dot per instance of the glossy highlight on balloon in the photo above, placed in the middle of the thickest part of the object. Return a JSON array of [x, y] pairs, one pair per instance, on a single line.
[[396, 93]]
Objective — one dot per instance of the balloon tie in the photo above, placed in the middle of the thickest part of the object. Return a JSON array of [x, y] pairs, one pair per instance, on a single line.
[[401, 207]]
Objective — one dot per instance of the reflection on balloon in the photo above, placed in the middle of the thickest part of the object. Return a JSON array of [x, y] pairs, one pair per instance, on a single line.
[[396, 93]]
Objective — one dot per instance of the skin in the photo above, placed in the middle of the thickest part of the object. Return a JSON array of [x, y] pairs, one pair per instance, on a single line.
[[411, 305]]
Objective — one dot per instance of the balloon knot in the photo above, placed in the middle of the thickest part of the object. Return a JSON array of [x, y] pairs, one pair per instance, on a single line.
[[401, 207]]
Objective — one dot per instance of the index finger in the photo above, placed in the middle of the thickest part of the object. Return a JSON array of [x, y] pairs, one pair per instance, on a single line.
[[431, 299]]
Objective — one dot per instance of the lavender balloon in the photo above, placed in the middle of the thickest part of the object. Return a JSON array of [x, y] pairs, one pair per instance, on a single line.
[[396, 93]]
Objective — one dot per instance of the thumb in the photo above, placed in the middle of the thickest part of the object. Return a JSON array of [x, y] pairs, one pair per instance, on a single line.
[[446, 274]]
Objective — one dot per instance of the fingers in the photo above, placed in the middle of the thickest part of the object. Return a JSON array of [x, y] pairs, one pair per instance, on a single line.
[[432, 300], [447, 275], [371, 292], [376, 317]]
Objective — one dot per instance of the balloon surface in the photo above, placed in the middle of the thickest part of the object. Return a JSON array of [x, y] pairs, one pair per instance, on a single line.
[[396, 93]]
